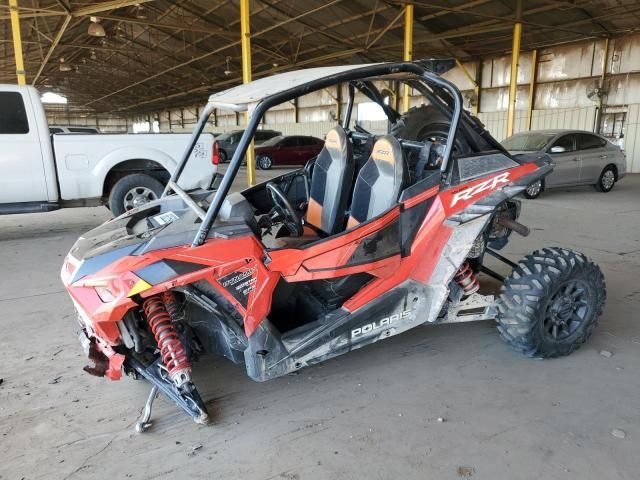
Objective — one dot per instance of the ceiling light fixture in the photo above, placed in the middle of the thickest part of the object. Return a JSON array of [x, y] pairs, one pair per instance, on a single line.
[[95, 29], [64, 67], [141, 13], [228, 71]]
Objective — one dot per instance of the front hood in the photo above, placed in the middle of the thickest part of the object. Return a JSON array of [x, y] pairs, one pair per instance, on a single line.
[[163, 223]]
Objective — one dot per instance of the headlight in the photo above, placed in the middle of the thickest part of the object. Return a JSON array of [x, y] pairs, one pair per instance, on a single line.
[[108, 289]]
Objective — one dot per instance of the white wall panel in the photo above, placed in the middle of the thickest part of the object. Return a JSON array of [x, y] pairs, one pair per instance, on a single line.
[[632, 138]]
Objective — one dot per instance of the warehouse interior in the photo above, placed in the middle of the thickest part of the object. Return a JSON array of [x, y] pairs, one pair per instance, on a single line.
[[443, 401], [580, 56]]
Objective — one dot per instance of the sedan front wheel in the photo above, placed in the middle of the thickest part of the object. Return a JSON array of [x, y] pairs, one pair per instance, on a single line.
[[264, 162]]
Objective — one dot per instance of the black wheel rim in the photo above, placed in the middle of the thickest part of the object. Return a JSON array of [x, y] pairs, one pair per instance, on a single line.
[[567, 310]]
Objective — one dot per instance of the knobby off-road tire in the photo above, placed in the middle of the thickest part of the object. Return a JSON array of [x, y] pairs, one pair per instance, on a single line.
[[551, 303], [425, 122]]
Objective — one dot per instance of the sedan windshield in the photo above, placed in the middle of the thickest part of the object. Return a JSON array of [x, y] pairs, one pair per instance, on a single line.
[[272, 141], [527, 142]]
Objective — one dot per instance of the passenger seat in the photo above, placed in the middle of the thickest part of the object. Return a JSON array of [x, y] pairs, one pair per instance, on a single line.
[[379, 182]]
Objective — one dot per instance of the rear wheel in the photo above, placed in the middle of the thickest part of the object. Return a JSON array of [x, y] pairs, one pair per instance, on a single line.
[[534, 190], [550, 303], [133, 191], [607, 180], [223, 156]]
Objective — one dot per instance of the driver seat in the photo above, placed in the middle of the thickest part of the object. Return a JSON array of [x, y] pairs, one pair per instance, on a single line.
[[331, 183]]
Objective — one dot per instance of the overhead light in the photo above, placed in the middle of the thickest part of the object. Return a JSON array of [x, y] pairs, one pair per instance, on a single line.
[[141, 13], [228, 71], [95, 29], [51, 97], [93, 55], [275, 65], [64, 67]]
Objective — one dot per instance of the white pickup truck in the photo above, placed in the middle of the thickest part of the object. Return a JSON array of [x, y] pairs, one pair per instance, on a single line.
[[42, 172]]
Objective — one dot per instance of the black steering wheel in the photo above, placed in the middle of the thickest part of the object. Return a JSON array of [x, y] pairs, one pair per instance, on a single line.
[[290, 218]]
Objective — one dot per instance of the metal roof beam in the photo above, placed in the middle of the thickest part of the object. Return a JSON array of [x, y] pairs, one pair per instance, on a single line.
[[54, 44]]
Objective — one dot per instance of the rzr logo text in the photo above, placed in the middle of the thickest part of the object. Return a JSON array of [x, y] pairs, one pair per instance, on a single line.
[[471, 192]]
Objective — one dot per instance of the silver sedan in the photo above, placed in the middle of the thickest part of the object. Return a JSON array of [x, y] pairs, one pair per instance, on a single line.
[[579, 158]]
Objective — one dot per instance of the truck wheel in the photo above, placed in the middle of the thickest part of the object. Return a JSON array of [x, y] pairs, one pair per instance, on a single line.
[[607, 180], [223, 156], [534, 190], [550, 303], [133, 191]]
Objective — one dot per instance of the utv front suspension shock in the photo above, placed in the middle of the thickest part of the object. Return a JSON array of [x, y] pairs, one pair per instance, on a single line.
[[172, 351], [466, 279]]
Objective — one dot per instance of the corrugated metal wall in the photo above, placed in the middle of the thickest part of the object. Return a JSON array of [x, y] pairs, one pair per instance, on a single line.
[[574, 118], [632, 138], [105, 123]]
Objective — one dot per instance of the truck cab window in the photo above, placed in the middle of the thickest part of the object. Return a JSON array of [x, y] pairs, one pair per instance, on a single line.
[[13, 116]]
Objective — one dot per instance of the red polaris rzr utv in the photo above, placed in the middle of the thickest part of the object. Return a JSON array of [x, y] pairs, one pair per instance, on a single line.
[[375, 236]]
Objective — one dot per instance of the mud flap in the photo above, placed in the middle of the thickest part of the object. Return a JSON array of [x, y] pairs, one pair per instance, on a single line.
[[187, 397]]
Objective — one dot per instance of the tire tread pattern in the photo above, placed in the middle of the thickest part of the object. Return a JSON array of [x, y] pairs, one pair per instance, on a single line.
[[527, 290]]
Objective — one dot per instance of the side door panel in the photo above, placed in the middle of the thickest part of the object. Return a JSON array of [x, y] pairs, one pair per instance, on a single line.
[[289, 151], [594, 157], [22, 175], [567, 165]]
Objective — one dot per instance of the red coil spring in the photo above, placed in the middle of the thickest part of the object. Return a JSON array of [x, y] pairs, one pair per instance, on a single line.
[[171, 304], [171, 348], [467, 279]]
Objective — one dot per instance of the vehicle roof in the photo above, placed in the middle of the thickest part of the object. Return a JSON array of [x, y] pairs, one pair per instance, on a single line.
[[239, 98], [556, 131]]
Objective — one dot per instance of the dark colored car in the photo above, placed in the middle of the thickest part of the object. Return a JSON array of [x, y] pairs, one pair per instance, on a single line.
[[227, 142], [291, 150]]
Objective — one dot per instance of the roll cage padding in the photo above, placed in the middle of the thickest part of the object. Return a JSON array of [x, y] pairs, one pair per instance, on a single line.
[[330, 183], [379, 182]]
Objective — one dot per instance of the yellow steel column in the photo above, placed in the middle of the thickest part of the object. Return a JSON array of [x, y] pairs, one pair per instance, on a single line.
[[246, 78], [532, 87], [408, 49], [476, 87], [605, 57], [17, 42], [513, 81]]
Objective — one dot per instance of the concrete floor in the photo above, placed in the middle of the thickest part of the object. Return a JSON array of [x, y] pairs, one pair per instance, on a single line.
[[371, 414]]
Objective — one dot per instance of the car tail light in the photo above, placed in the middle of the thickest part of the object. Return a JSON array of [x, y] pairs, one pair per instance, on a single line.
[[215, 157]]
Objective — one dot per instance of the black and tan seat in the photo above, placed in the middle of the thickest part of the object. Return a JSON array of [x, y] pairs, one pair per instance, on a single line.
[[379, 181], [331, 183]]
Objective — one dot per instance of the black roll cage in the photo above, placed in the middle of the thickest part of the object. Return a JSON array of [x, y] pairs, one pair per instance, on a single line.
[[443, 92]]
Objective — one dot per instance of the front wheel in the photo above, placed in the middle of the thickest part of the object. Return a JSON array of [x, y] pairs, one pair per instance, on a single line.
[[133, 191], [534, 190], [551, 303], [265, 162], [607, 180]]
